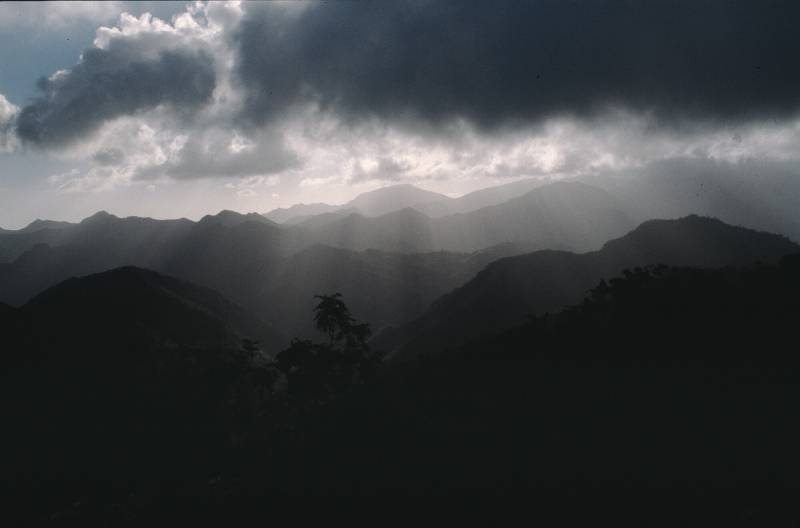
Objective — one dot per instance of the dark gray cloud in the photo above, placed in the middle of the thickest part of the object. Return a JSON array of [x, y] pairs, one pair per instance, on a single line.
[[520, 61], [109, 83]]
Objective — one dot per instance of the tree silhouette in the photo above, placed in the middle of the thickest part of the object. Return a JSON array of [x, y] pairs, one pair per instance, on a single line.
[[318, 371]]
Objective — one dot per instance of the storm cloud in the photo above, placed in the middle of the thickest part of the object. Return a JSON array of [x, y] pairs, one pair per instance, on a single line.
[[521, 62], [114, 82]]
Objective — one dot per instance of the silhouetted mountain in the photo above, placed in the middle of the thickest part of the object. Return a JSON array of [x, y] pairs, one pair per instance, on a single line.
[[15, 243], [250, 260], [245, 256], [396, 197], [100, 242], [715, 316], [507, 291], [479, 199], [666, 378], [132, 304], [18, 337], [749, 193], [393, 198], [232, 218], [38, 225], [381, 288], [560, 215], [127, 369], [286, 214], [373, 203]]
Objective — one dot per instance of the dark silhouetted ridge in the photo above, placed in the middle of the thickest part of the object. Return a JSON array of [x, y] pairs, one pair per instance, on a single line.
[[141, 305], [508, 290], [38, 225], [232, 218]]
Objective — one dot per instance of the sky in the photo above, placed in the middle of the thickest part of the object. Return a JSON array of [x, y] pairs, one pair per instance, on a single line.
[[181, 109]]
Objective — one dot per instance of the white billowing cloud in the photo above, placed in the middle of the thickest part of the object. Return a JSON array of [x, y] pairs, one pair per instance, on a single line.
[[8, 118], [158, 144]]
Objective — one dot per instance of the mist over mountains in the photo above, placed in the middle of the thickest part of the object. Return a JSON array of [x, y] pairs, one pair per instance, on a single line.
[[388, 257], [510, 290], [199, 343], [543, 249], [291, 351]]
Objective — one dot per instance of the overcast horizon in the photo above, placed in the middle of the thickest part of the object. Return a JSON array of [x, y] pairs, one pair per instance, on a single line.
[[183, 109]]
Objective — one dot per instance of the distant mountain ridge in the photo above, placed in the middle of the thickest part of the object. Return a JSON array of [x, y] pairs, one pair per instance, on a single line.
[[372, 203], [285, 214], [401, 196], [238, 254], [506, 291], [566, 215], [250, 259]]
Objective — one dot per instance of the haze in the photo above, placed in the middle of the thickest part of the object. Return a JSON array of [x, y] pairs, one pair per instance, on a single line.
[[178, 110], [406, 247]]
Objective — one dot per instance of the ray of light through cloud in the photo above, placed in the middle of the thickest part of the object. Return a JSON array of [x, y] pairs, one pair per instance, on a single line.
[[245, 102]]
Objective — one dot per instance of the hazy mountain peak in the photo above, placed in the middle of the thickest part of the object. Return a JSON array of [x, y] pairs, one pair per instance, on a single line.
[[230, 218], [509, 289], [698, 241], [98, 216], [40, 224], [391, 198], [301, 210]]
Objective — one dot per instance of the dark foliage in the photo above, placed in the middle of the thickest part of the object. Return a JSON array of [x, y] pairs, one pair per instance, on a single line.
[[658, 313], [664, 377], [318, 371]]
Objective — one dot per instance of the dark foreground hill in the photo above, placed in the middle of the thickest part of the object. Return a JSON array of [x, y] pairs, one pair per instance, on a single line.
[[665, 379], [127, 305], [509, 290], [125, 369]]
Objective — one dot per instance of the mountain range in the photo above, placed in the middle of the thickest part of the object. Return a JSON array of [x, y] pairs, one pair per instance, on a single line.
[[510, 290], [390, 267], [395, 197], [132, 376]]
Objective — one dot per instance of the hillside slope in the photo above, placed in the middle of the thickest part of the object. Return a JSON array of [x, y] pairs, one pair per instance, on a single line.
[[507, 291]]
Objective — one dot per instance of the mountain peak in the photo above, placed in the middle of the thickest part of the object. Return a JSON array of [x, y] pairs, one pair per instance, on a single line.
[[700, 241], [98, 216], [392, 198], [229, 218], [39, 224]]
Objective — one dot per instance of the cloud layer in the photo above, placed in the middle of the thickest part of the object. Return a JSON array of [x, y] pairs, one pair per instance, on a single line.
[[519, 61], [275, 97], [124, 77]]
